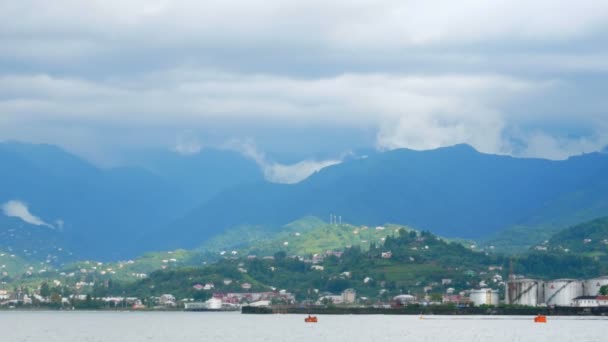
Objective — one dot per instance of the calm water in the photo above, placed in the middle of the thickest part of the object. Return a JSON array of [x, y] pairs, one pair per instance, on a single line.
[[177, 326]]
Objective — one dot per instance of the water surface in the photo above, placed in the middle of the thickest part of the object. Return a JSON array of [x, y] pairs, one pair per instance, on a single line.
[[233, 327]]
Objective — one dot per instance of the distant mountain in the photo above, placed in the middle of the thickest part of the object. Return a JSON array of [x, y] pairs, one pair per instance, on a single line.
[[97, 212], [454, 191], [202, 175], [32, 242], [166, 201], [101, 213], [587, 202]]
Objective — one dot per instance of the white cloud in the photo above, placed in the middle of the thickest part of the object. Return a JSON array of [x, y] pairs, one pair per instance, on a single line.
[[542, 145], [20, 210], [277, 172], [414, 111], [297, 172]]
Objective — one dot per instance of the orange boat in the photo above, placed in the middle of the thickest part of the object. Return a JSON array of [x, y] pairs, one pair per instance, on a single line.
[[310, 319], [540, 319]]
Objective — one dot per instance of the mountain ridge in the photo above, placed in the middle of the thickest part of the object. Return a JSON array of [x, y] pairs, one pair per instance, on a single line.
[[453, 191]]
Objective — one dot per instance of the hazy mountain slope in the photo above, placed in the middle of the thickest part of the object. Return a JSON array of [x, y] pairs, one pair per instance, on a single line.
[[201, 175], [453, 191], [583, 204], [32, 242], [96, 212], [103, 213]]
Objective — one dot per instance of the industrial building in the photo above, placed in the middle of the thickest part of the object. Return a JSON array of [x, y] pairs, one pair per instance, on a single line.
[[558, 292], [561, 292], [592, 286], [529, 292], [484, 297]]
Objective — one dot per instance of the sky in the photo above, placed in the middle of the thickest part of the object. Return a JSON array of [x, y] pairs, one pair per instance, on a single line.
[[297, 85]]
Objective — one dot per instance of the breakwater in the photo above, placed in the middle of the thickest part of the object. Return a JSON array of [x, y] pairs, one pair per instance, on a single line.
[[429, 310]]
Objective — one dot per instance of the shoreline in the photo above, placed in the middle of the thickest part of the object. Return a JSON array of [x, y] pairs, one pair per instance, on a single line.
[[431, 310]]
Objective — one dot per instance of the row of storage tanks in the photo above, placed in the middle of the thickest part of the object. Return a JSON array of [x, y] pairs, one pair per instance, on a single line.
[[559, 292]]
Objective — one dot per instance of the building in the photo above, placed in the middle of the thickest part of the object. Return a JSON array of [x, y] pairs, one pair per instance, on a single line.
[[404, 299], [558, 292], [349, 296], [528, 292], [167, 300], [561, 292], [484, 297], [330, 299], [590, 301], [585, 302], [260, 303], [455, 299]]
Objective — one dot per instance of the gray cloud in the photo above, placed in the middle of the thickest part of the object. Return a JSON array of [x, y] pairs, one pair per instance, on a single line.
[[511, 77]]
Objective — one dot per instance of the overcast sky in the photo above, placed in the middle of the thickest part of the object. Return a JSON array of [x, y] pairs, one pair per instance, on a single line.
[[305, 81]]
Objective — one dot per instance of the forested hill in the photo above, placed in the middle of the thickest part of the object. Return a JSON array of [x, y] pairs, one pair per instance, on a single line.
[[454, 191], [589, 238]]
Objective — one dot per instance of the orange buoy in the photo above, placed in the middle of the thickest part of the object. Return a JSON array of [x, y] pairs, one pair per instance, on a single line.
[[310, 319], [540, 319]]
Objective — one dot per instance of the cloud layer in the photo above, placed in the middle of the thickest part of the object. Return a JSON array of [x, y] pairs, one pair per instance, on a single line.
[[516, 77]]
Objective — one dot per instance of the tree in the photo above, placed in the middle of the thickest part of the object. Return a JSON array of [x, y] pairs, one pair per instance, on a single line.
[[280, 255], [604, 290], [45, 290]]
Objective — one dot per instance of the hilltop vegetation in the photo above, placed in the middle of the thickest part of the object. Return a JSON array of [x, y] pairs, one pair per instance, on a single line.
[[589, 238], [418, 259], [298, 240]]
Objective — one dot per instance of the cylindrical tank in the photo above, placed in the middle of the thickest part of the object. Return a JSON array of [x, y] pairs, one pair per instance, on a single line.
[[530, 292], [484, 297], [214, 303], [561, 292], [592, 286]]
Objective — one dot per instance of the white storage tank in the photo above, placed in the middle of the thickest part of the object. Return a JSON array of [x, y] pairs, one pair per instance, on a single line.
[[484, 297], [214, 303], [529, 292], [592, 286], [561, 292]]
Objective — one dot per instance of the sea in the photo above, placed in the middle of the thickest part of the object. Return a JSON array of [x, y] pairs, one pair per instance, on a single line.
[[40, 326]]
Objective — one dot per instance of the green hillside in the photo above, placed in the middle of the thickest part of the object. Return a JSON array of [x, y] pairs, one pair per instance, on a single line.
[[590, 238], [308, 235], [416, 260]]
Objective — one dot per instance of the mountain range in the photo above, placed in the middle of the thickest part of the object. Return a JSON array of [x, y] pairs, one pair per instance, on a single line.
[[160, 199], [101, 213], [454, 192]]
